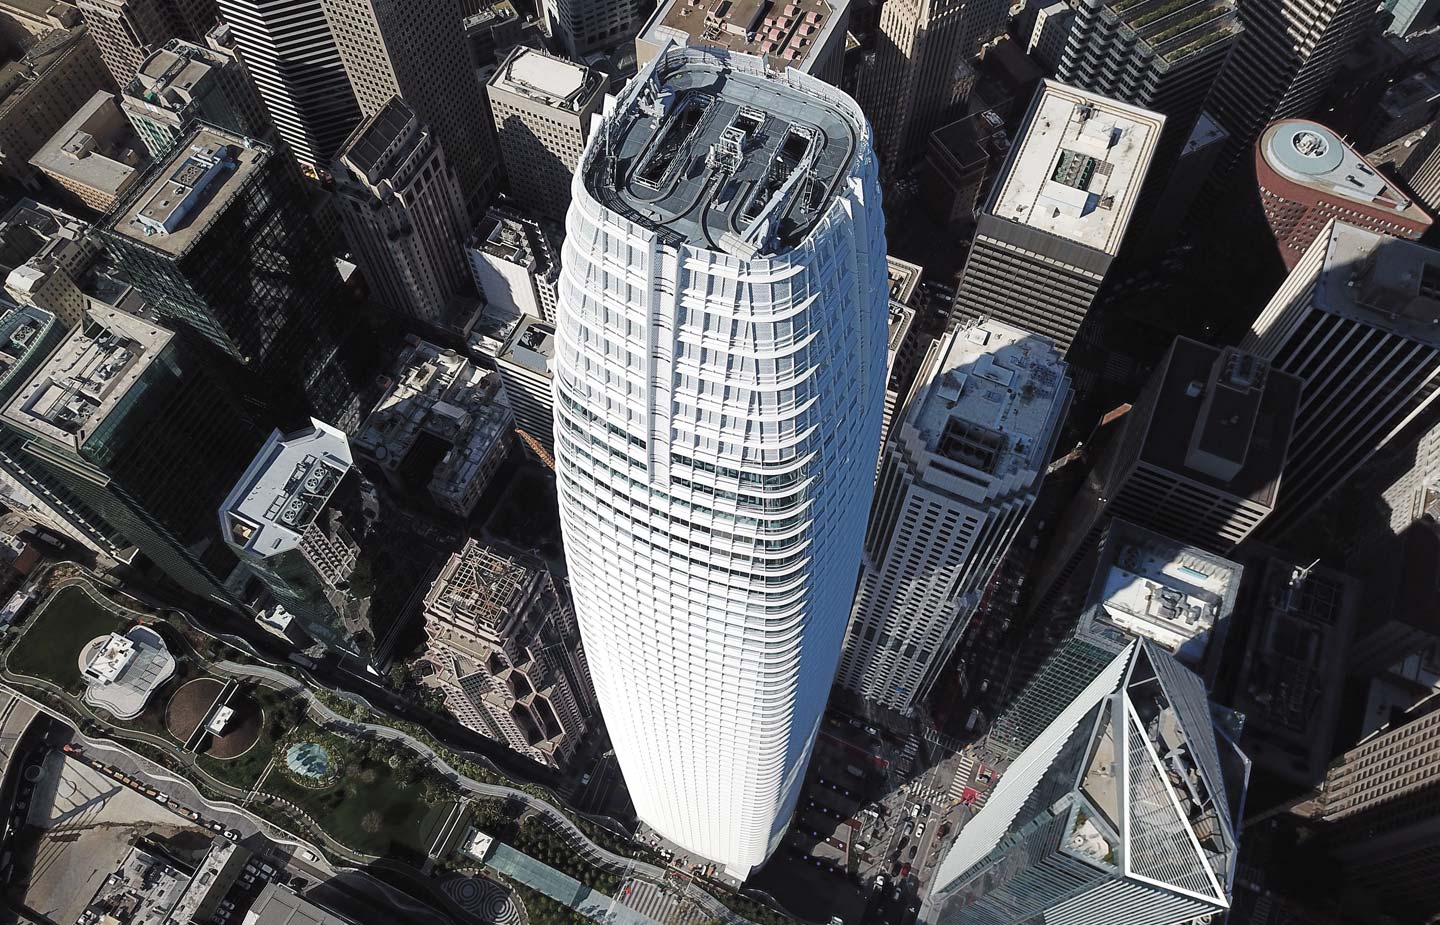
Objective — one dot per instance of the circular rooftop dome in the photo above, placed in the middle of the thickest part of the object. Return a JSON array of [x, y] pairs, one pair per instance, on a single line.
[[1305, 147]]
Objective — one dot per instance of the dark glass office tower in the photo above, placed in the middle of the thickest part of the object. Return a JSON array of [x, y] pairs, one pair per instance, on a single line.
[[218, 238], [132, 420]]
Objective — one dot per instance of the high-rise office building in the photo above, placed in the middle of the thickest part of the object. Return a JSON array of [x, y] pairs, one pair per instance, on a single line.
[[415, 49], [542, 107], [1355, 321], [1198, 458], [183, 82], [525, 366], [515, 264], [50, 75], [1124, 810], [402, 212], [128, 30], [1380, 801], [1309, 175], [921, 70], [804, 34], [1281, 67], [957, 478], [295, 518], [136, 425], [585, 26], [217, 237], [506, 652], [713, 508], [1421, 170], [1058, 212], [291, 56]]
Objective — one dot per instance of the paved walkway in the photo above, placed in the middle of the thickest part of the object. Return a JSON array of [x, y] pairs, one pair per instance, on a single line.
[[562, 887]]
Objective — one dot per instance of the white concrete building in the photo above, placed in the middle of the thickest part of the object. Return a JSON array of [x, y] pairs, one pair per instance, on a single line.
[[514, 265], [525, 363], [957, 479], [719, 380]]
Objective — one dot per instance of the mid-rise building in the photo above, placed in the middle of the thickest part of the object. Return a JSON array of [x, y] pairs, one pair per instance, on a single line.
[[506, 653], [183, 82], [415, 49], [95, 156], [403, 214], [137, 426], [961, 160], [1308, 175], [292, 58], [128, 30], [525, 367], [1355, 321], [448, 413], [957, 478], [805, 34], [901, 359], [1058, 212], [46, 82], [1379, 800], [713, 527], [1398, 642], [295, 518], [44, 253], [1197, 458], [542, 106], [1124, 809], [28, 335], [1282, 67], [1289, 683], [581, 27], [514, 264], [1421, 170], [920, 73], [218, 238]]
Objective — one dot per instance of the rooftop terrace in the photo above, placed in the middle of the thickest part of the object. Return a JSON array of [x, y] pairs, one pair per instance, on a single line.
[[1077, 165], [169, 77], [994, 402], [785, 31], [477, 587], [178, 199], [285, 488], [1176, 29], [1387, 282], [715, 153], [83, 381]]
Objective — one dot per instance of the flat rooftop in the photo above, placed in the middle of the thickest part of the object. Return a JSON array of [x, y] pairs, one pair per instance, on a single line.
[[1310, 154], [994, 403], [143, 890], [1222, 418], [1173, 594], [185, 192], [717, 154], [904, 278], [546, 79], [279, 905], [1387, 282], [508, 236], [531, 345], [476, 588], [83, 381], [285, 488], [378, 144], [1077, 165], [169, 77], [96, 147], [787, 32]]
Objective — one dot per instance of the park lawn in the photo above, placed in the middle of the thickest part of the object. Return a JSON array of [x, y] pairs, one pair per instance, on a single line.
[[50, 645], [244, 770], [369, 811]]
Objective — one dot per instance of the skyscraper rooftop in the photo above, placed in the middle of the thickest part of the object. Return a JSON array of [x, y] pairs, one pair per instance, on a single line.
[[286, 487], [1387, 282], [787, 33], [1076, 166], [1174, 31], [1177, 595], [714, 152], [994, 401], [70, 396], [547, 79], [1312, 155], [174, 203]]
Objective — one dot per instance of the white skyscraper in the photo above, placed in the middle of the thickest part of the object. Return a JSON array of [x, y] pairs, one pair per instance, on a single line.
[[719, 378], [957, 479]]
